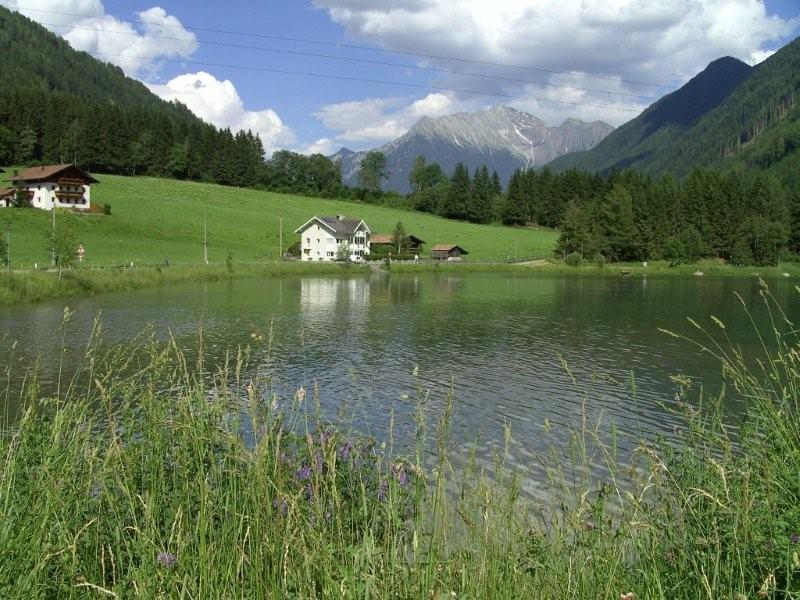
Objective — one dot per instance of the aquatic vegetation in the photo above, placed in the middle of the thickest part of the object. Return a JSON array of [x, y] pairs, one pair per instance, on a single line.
[[163, 481]]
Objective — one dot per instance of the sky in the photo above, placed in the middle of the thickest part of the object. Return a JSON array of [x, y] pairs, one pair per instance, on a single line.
[[316, 75]]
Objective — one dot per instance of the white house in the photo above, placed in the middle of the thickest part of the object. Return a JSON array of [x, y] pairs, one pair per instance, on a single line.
[[6, 197], [322, 237], [54, 186]]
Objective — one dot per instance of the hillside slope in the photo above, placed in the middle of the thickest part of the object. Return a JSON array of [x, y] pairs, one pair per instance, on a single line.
[[502, 138], [59, 105], [755, 126], [153, 219], [638, 143]]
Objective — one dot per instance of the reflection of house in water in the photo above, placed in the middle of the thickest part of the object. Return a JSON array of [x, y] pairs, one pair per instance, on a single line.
[[325, 297]]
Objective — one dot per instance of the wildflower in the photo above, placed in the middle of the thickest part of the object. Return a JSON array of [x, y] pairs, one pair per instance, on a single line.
[[795, 538], [300, 394], [345, 450], [303, 473], [309, 492], [383, 490], [400, 475], [628, 596], [167, 559], [677, 431], [96, 491], [670, 557]]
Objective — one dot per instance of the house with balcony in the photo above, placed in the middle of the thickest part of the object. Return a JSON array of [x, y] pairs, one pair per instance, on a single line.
[[54, 186], [324, 239]]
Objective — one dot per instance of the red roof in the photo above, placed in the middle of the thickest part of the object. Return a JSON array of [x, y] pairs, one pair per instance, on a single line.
[[50, 172]]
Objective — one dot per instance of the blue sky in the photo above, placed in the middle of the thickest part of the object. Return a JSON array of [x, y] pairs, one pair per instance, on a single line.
[[579, 60]]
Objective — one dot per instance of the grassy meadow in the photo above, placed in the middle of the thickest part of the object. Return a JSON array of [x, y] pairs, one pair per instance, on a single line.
[[175, 480], [153, 219]]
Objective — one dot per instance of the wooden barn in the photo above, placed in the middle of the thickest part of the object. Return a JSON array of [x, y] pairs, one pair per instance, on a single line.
[[383, 243], [447, 252]]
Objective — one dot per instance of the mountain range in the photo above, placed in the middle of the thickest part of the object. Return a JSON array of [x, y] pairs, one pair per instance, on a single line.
[[502, 138]]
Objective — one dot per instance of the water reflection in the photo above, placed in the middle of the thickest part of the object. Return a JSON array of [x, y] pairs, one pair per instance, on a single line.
[[498, 341]]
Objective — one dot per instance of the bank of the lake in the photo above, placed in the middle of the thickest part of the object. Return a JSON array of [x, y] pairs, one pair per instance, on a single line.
[[166, 483], [37, 286], [31, 286]]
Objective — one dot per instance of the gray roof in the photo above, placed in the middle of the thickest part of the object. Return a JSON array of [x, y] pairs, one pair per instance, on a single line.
[[342, 225]]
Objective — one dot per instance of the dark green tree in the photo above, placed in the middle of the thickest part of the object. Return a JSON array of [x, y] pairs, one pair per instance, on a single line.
[[458, 196], [480, 205], [576, 235], [372, 171], [515, 208], [617, 223]]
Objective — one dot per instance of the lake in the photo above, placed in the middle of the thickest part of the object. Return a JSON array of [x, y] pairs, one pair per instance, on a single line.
[[496, 339]]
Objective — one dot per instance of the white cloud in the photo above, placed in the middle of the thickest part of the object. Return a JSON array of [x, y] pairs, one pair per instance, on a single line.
[[218, 103], [661, 41], [136, 48], [378, 120], [322, 146]]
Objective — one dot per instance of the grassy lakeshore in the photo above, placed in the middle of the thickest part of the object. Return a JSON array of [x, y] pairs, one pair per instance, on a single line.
[[152, 219], [184, 482], [558, 267], [36, 286]]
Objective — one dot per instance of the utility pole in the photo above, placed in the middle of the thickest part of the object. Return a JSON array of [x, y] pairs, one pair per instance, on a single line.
[[205, 238], [53, 245], [280, 242]]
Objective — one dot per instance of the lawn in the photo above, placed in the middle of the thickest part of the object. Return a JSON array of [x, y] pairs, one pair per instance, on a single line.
[[154, 219]]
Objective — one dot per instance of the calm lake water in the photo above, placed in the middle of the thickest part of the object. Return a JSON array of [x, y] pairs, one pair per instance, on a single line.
[[495, 338]]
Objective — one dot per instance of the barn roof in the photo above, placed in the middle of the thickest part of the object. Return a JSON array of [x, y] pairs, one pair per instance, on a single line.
[[49, 172], [448, 248], [388, 238]]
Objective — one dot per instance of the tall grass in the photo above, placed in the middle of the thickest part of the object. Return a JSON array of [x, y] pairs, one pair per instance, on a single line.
[[158, 478]]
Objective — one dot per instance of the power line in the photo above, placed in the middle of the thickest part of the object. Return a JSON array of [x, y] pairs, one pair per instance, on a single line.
[[364, 60], [357, 47], [366, 80]]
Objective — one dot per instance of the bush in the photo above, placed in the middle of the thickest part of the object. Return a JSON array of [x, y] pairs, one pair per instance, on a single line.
[[574, 259], [600, 261], [106, 208]]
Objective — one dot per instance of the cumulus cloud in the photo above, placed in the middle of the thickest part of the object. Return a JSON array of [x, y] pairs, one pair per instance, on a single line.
[[218, 102], [136, 48], [378, 120], [624, 41], [322, 146]]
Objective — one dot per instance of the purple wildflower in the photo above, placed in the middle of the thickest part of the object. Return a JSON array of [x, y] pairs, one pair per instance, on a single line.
[[324, 437], [309, 492], [383, 490], [795, 538], [303, 473], [400, 475], [345, 450], [167, 559]]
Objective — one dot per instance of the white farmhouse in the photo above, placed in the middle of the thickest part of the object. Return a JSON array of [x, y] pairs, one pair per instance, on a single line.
[[321, 239], [55, 186]]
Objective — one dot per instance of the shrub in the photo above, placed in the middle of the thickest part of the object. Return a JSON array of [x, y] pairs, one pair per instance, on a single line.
[[574, 259], [600, 261], [106, 208]]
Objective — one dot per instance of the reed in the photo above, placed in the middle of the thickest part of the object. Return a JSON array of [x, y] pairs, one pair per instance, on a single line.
[[150, 476]]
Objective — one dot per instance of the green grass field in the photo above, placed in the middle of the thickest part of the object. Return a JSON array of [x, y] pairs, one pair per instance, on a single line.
[[153, 219]]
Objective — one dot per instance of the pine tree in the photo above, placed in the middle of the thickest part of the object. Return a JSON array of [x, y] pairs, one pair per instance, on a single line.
[[618, 225], [458, 196], [479, 209], [515, 208], [497, 186], [575, 233]]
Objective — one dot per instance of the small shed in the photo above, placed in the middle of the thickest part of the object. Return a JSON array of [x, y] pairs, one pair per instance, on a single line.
[[383, 243], [7, 196], [447, 251]]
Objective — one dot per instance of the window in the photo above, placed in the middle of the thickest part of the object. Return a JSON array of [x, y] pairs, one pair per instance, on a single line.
[[331, 254], [308, 240]]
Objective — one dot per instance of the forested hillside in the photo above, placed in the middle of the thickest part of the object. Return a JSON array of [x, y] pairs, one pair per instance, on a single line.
[[59, 105], [637, 143], [756, 126]]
